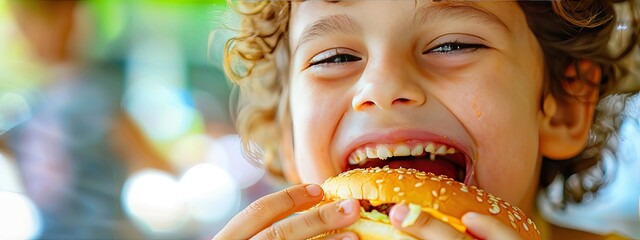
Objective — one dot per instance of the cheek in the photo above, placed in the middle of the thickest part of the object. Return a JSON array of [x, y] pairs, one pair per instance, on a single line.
[[315, 118], [501, 115]]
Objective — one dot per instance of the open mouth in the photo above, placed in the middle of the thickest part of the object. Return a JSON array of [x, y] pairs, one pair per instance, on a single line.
[[437, 158]]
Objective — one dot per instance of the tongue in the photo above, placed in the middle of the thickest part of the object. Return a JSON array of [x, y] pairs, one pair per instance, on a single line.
[[438, 167]]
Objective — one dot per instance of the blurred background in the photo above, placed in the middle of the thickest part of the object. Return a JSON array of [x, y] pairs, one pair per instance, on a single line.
[[115, 121]]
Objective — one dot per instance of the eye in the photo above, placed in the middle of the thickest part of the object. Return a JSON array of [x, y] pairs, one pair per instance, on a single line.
[[336, 59], [331, 57], [455, 47]]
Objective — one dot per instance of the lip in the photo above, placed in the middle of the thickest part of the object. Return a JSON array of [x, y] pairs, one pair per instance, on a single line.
[[403, 135]]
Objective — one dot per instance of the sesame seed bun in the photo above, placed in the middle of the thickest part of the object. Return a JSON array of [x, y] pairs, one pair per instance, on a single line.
[[442, 197]]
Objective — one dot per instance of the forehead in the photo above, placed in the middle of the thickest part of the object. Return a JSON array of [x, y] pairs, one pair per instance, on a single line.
[[312, 18], [419, 10]]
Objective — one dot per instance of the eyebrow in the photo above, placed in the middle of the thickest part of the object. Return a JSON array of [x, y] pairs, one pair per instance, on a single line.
[[329, 24], [426, 13]]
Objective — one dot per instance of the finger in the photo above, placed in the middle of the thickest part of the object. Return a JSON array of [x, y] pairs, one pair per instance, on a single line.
[[314, 222], [425, 227], [487, 227], [269, 209]]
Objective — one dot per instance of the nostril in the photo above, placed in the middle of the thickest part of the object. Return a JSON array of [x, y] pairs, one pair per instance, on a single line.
[[368, 104], [401, 100]]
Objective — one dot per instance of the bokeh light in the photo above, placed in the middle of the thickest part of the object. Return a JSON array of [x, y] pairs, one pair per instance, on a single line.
[[190, 150], [160, 111], [210, 192], [19, 218], [9, 178], [152, 199], [226, 152]]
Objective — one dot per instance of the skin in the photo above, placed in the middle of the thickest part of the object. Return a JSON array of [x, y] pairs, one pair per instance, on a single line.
[[384, 75], [333, 104]]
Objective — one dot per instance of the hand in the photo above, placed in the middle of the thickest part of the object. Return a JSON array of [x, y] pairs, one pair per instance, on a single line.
[[267, 217], [427, 227]]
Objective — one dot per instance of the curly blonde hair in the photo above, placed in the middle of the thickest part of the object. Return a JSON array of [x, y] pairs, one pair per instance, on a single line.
[[567, 31]]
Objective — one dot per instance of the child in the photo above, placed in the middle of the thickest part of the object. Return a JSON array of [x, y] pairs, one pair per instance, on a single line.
[[510, 86]]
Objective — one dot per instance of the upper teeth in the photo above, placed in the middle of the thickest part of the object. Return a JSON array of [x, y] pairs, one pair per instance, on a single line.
[[384, 151]]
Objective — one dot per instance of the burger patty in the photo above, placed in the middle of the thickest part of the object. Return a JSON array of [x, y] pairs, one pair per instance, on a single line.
[[382, 208]]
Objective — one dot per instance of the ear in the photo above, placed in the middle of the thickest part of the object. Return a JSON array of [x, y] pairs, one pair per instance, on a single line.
[[567, 118]]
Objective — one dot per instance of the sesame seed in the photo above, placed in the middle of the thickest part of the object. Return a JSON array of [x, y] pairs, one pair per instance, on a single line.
[[529, 221], [418, 184], [448, 182], [379, 181], [503, 206], [400, 177], [434, 193], [401, 194], [526, 228], [494, 209], [443, 191], [396, 189], [514, 226], [436, 206], [517, 216], [479, 199], [464, 188], [378, 170]]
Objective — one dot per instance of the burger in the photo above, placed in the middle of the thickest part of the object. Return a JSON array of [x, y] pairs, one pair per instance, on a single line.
[[445, 199]]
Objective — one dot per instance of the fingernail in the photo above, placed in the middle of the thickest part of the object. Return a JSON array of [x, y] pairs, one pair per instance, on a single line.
[[346, 206], [313, 190], [470, 216], [400, 212]]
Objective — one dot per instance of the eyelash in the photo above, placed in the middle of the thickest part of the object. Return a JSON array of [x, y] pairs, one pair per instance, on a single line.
[[337, 59], [455, 47], [445, 48]]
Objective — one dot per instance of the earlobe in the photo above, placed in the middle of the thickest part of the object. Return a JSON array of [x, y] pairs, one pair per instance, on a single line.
[[565, 119]]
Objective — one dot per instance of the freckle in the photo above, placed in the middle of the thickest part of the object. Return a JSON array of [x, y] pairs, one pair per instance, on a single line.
[[476, 109]]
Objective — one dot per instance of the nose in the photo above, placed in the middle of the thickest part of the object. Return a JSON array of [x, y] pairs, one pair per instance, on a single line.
[[387, 87]]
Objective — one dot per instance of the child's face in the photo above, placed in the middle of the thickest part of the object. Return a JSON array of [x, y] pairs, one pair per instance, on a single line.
[[410, 73]]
